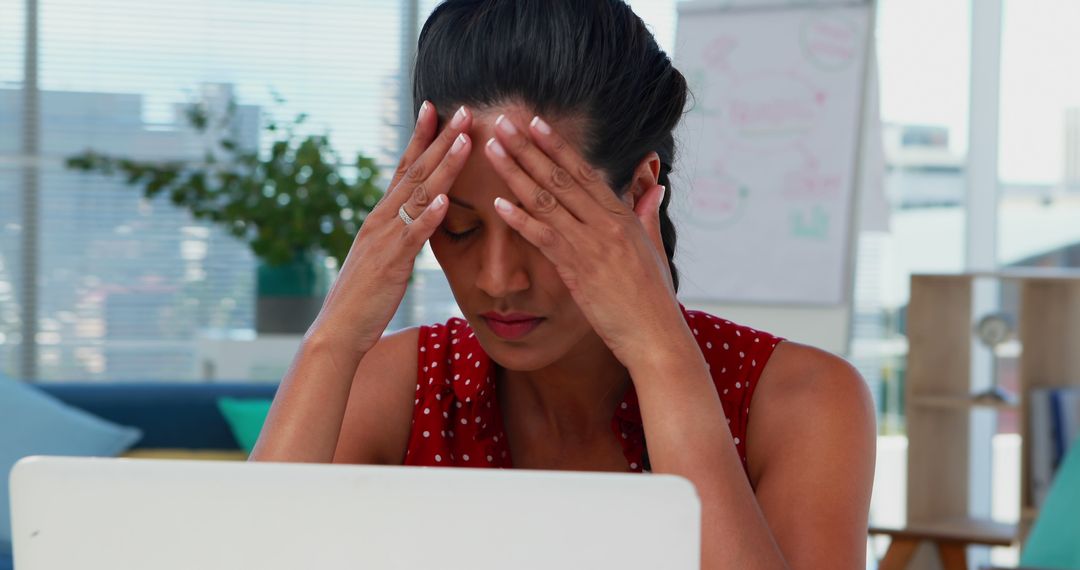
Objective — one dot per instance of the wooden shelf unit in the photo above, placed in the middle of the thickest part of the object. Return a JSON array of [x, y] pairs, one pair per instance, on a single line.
[[940, 335], [964, 403]]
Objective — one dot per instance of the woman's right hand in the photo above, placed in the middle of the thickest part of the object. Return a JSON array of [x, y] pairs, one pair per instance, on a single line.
[[373, 278]]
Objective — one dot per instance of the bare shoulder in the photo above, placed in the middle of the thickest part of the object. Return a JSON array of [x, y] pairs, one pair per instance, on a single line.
[[376, 425], [811, 442], [797, 374], [804, 387]]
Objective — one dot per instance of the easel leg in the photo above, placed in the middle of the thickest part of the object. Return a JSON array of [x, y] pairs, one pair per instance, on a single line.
[[899, 554], [953, 555]]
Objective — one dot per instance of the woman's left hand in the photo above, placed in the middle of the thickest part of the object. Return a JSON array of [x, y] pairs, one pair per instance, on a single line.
[[609, 255]]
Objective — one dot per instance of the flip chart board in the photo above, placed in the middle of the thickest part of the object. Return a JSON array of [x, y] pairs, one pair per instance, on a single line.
[[765, 182]]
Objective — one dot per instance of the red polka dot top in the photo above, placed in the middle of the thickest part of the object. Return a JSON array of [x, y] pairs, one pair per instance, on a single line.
[[457, 419]]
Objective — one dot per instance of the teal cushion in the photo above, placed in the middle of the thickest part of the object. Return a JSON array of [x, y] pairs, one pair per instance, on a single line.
[[245, 418], [1053, 542], [34, 423]]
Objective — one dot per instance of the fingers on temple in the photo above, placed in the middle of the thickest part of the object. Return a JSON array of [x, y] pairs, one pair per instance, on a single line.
[[440, 181], [537, 199], [423, 133], [543, 170], [572, 163], [420, 170]]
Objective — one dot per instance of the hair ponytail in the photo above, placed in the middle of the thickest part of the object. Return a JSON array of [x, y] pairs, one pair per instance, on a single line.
[[667, 226]]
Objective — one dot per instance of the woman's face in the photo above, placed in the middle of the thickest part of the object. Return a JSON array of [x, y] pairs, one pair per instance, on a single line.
[[493, 271]]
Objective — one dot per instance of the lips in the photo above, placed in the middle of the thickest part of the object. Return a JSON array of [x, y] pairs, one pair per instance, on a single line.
[[511, 326]]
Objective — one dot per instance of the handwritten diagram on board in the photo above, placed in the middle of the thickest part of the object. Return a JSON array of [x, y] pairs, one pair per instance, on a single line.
[[764, 181]]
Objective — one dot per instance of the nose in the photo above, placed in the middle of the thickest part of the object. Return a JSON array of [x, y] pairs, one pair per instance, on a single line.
[[503, 270]]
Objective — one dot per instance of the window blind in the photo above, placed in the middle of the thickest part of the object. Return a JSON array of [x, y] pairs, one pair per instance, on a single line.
[[12, 21], [126, 284]]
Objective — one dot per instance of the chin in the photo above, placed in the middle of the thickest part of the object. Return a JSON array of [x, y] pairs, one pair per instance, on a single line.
[[522, 357], [518, 356], [535, 354]]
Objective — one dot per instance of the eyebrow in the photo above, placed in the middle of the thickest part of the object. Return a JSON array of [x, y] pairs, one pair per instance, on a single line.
[[469, 206], [461, 203]]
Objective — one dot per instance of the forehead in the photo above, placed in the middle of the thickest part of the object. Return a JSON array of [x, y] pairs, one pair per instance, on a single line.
[[479, 183]]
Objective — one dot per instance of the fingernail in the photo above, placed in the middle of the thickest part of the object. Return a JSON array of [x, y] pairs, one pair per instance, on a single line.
[[438, 201], [503, 205], [507, 127], [459, 117], [540, 125], [496, 148], [458, 143], [423, 111]]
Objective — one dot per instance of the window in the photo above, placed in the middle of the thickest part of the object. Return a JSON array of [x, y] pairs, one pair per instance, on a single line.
[[923, 55], [126, 285], [1039, 208]]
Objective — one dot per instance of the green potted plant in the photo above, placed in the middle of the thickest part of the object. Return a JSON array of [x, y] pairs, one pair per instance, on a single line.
[[294, 204]]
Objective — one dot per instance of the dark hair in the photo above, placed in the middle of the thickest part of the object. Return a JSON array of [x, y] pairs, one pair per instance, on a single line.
[[590, 59]]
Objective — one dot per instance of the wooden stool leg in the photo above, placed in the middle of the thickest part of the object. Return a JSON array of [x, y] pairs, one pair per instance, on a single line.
[[953, 555], [899, 554]]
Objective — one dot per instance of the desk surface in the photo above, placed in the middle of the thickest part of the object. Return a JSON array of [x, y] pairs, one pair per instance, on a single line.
[[971, 531]]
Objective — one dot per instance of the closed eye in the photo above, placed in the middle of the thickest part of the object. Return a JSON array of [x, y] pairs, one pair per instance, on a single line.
[[456, 237]]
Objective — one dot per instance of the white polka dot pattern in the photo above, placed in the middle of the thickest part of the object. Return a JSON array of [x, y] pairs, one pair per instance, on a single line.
[[466, 428]]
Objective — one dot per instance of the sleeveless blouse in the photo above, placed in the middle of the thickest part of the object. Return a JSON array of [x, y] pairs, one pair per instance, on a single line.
[[457, 420]]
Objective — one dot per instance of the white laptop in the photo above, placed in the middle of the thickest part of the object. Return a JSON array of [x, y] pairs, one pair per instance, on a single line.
[[131, 514]]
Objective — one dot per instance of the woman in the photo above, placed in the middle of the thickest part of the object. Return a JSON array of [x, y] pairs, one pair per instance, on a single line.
[[539, 173]]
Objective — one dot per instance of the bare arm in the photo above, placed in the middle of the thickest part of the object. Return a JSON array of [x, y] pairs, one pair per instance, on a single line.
[[305, 418], [331, 408], [344, 348], [810, 448], [377, 418]]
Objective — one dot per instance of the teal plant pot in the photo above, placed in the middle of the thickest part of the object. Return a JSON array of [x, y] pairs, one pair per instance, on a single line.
[[290, 296]]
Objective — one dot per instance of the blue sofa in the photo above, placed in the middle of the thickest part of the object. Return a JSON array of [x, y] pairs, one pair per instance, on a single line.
[[171, 415], [177, 420]]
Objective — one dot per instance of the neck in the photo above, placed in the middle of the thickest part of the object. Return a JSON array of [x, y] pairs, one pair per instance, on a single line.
[[572, 399]]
